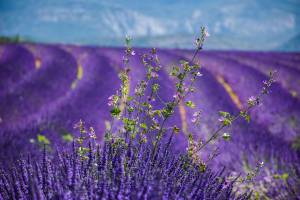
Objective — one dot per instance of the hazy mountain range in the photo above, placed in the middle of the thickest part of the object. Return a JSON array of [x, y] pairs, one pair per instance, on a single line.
[[233, 24]]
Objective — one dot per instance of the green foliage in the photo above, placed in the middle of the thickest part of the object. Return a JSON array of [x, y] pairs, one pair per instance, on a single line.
[[190, 104], [155, 88], [67, 137], [283, 176], [128, 40], [42, 139], [168, 110], [82, 152], [176, 129], [202, 167], [129, 124], [226, 118], [226, 122], [226, 136], [10, 39], [245, 115], [174, 71], [139, 118], [253, 173], [224, 114], [143, 125], [115, 112], [296, 143]]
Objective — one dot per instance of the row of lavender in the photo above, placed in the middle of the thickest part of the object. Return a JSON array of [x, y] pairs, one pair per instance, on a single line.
[[45, 89]]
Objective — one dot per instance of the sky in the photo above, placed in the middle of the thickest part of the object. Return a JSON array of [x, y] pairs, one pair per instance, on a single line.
[[232, 24]]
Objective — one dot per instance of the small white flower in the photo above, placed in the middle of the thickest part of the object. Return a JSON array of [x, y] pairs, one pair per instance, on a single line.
[[252, 101], [110, 100], [199, 74], [132, 53], [221, 119], [265, 82], [176, 95], [197, 114], [194, 120], [206, 34], [252, 98], [154, 120], [154, 75], [186, 89], [111, 97]]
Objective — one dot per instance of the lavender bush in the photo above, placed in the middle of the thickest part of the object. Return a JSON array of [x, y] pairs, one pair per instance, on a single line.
[[136, 159], [114, 171]]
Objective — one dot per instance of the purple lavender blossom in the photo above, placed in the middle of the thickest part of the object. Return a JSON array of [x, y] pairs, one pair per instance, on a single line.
[[114, 172], [24, 112]]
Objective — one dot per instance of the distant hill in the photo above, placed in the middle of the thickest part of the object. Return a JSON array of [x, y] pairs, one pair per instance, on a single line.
[[240, 25], [14, 39]]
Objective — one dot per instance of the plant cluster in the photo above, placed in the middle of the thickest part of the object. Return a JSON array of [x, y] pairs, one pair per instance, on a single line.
[[113, 171], [135, 160]]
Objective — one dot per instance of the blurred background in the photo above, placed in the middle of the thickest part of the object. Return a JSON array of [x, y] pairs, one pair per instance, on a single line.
[[232, 24]]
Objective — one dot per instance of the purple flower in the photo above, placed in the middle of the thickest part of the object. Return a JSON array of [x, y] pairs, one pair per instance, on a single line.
[[252, 98], [111, 97], [199, 74], [205, 33], [132, 171], [154, 75], [252, 101], [186, 89], [194, 120], [177, 95], [110, 100], [221, 119]]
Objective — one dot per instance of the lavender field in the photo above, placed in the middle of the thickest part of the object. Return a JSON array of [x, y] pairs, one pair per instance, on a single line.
[[46, 89]]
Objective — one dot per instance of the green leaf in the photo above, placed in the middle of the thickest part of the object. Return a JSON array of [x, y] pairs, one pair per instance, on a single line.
[[67, 137], [42, 139], [143, 125], [174, 71], [130, 109], [82, 151], [276, 176], [128, 40], [202, 167], [285, 176], [226, 136], [129, 98], [190, 138], [129, 125], [226, 122], [180, 76], [176, 129], [248, 118], [296, 143], [223, 114], [190, 104], [115, 112], [155, 87]]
